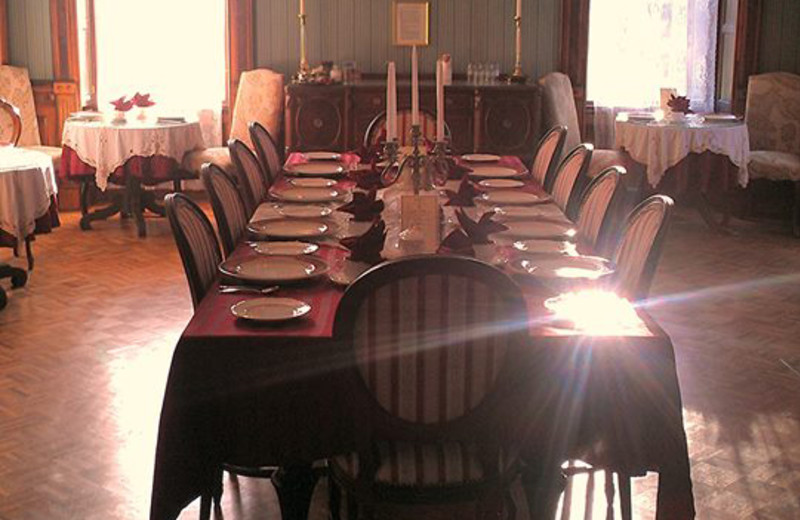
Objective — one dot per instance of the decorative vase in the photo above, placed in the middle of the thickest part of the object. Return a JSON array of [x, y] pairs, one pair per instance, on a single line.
[[142, 116], [120, 117]]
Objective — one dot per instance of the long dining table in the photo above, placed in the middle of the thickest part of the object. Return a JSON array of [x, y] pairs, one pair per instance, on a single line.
[[255, 395]]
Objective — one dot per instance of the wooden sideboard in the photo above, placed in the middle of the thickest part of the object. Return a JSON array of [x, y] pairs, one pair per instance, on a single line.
[[502, 119]]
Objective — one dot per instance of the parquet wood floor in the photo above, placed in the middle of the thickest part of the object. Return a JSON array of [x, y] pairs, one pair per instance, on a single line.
[[85, 349]]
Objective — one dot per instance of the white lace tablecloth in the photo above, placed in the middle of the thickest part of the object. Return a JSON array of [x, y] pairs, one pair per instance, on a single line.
[[106, 146], [661, 146], [27, 184]]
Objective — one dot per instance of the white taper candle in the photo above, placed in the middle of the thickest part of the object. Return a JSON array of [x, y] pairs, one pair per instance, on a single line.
[[414, 86]]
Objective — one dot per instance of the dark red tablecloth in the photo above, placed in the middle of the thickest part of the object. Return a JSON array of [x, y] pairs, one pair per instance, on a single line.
[[149, 170], [44, 224], [254, 396]]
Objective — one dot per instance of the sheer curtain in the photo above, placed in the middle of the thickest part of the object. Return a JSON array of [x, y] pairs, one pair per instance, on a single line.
[[173, 49], [636, 47]]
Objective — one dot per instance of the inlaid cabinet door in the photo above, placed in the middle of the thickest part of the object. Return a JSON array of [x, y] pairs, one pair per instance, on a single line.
[[368, 102], [509, 122], [317, 118]]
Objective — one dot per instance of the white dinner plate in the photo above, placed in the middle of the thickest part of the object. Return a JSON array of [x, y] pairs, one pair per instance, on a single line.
[[545, 247], [323, 156], [304, 211], [270, 310], [500, 183], [308, 194], [325, 169], [312, 182], [538, 229], [292, 248], [561, 267], [641, 116], [550, 211], [494, 172], [480, 157], [291, 228], [511, 197], [274, 269]]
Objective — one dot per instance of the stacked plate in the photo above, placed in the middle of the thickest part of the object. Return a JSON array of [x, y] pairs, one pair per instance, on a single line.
[[493, 171], [511, 198], [561, 267], [289, 228], [480, 157], [323, 156], [315, 169], [309, 194], [538, 229]]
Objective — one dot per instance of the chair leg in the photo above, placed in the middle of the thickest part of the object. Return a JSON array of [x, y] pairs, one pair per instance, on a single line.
[[334, 499], [205, 507], [625, 498], [796, 210], [609, 487], [29, 252]]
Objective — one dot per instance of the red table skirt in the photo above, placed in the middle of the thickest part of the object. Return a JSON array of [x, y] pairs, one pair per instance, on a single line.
[[149, 170], [44, 224]]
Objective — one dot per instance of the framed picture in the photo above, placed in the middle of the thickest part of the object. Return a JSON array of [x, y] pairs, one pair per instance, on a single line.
[[411, 22]]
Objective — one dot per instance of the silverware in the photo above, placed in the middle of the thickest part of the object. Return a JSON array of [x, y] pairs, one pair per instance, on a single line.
[[234, 289]]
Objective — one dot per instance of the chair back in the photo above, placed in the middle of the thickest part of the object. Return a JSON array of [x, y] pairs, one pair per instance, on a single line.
[[196, 241], [251, 178], [260, 97], [16, 89], [640, 246], [570, 177], [376, 131], [430, 338], [600, 207], [558, 106], [266, 150], [10, 123], [227, 204], [548, 152], [773, 112]]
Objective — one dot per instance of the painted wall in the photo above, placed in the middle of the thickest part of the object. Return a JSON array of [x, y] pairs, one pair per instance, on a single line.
[[360, 31], [780, 36], [29, 37]]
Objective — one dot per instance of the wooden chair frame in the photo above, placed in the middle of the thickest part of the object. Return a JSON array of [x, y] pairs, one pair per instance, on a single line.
[[575, 195], [257, 130], [376, 423], [378, 119], [612, 217], [237, 147], [16, 120], [224, 230], [171, 202], [549, 176]]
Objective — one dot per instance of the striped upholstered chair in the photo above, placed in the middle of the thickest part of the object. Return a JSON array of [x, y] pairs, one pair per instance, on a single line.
[[639, 249], [196, 241], [570, 178], [548, 152], [267, 150], [598, 216], [376, 130], [227, 204], [432, 343], [251, 178]]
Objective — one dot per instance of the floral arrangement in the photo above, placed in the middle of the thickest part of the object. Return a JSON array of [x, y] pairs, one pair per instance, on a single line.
[[679, 104]]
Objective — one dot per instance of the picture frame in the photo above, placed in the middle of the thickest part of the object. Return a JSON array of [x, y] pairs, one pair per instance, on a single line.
[[411, 23]]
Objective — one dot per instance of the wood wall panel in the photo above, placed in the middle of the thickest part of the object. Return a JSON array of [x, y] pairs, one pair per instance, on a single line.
[[779, 46], [3, 32], [359, 30], [30, 42]]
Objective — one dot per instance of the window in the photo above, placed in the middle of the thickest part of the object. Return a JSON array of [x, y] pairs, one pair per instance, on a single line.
[[172, 49], [636, 47]]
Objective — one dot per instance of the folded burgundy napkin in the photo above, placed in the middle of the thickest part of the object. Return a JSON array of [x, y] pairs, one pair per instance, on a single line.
[[465, 196], [478, 232], [363, 207], [456, 243], [367, 247], [122, 104], [373, 151], [142, 100], [454, 170], [368, 179], [679, 104]]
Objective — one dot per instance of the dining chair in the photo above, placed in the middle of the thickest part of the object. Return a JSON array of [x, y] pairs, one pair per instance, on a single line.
[[259, 97], [430, 343], [267, 150], [639, 249], [570, 179], [10, 123], [227, 205], [598, 216], [772, 114], [251, 177], [548, 152], [196, 241], [376, 130], [16, 89]]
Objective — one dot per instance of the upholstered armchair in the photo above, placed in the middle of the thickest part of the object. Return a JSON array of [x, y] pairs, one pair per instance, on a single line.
[[259, 98], [16, 89], [773, 120], [558, 109]]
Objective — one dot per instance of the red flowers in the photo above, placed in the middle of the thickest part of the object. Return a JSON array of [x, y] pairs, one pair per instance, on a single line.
[[679, 104], [124, 104], [143, 100]]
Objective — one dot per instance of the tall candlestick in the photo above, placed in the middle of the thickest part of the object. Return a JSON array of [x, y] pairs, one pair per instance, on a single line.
[[391, 103], [518, 76], [303, 7], [302, 73], [440, 101], [414, 87]]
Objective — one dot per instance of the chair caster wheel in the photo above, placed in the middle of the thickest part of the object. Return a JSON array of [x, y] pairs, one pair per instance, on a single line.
[[18, 279]]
